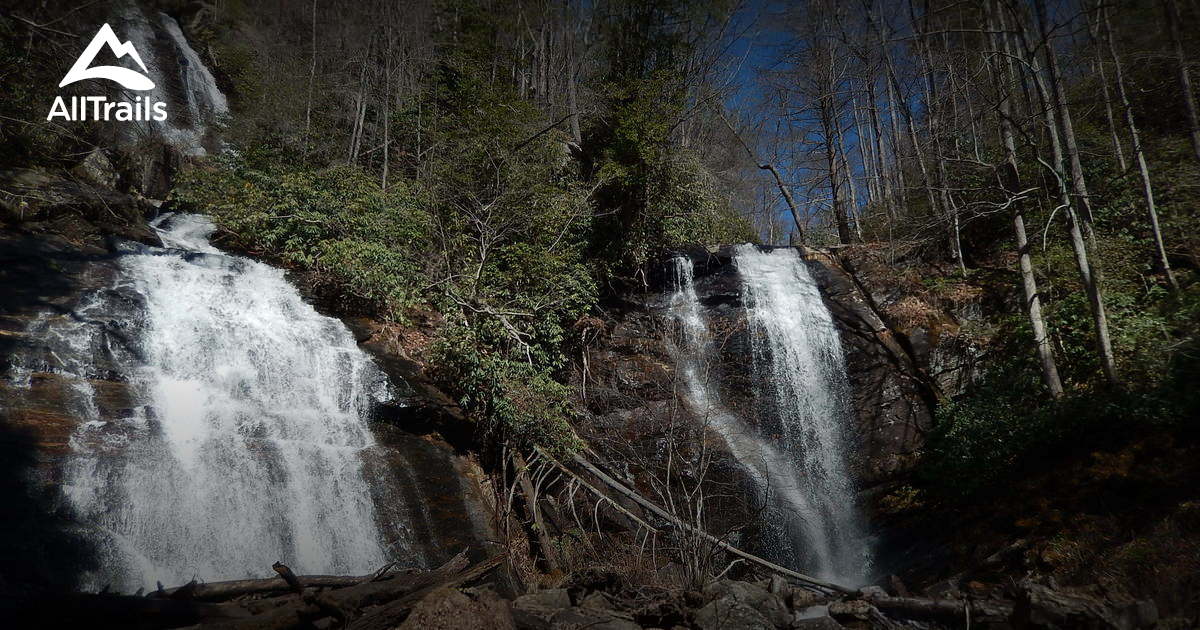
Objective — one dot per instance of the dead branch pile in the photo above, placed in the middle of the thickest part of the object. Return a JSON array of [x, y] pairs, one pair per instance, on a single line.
[[380, 600]]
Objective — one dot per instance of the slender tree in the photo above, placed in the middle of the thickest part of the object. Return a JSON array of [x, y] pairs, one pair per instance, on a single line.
[[1079, 201], [1171, 9], [1139, 155], [1010, 182]]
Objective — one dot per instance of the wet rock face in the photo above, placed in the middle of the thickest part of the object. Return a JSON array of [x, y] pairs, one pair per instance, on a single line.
[[430, 497], [429, 501], [626, 381], [43, 277], [38, 202], [892, 390]]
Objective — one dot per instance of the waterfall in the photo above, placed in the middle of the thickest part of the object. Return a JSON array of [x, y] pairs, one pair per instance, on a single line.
[[243, 445], [798, 351], [180, 79], [801, 477]]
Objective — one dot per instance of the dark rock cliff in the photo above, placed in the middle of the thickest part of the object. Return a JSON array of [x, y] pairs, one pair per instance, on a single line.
[[898, 369]]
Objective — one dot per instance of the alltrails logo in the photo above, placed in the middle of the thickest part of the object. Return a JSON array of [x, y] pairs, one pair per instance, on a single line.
[[80, 108]]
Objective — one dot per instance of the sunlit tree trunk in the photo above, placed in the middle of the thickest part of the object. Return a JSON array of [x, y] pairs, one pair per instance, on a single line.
[[1062, 136], [1118, 150], [1010, 179]]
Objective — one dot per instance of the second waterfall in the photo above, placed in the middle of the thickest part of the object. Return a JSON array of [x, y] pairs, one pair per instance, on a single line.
[[795, 450]]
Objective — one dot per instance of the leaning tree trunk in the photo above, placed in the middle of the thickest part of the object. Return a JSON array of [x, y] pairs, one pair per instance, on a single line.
[[1010, 180], [1139, 155], [1094, 279], [1185, 82], [885, 190], [853, 195], [901, 186], [831, 162]]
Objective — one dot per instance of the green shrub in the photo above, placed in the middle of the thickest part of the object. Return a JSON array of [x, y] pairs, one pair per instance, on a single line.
[[337, 223], [980, 443]]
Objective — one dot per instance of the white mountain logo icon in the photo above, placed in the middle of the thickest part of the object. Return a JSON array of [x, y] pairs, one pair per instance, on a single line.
[[130, 79]]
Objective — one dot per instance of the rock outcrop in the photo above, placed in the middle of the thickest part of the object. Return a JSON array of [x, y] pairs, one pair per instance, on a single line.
[[898, 368]]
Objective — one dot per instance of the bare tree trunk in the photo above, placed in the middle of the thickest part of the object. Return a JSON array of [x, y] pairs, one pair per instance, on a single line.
[[312, 75], [934, 123], [898, 168], [1138, 154], [1063, 137], [573, 95], [549, 552], [783, 189], [853, 194], [1118, 150], [1010, 180], [827, 124], [1171, 8], [387, 105], [915, 141], [864, 152], [885, 191]]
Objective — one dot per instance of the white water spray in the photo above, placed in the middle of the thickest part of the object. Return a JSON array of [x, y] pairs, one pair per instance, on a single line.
[[799, 352], [180, 79], [245, 444], [802, 478]]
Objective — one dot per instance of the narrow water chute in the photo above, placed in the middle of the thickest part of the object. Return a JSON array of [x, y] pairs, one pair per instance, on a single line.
[[800, 471]]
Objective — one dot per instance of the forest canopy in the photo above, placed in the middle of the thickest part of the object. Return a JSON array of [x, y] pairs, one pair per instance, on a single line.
[[508, 169]]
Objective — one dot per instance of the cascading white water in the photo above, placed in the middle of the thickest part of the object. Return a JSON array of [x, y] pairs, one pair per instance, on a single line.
[[245, 443], [803, 482], [180, 79], [799, 352]]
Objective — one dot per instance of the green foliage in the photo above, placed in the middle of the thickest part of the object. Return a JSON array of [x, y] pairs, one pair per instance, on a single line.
[[653, 197], [490, 231], [336, 223], [989, 438], [517, 401]]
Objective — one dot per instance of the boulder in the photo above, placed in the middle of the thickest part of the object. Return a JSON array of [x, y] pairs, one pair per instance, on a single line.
[[853, 609], [801, 598], [873, 591], [777, 585], [536, 610], [824, 622], [97, 169], [601, 603], [1041, 606], [591, 619], [770, 606], [447, 609], [81, 212], [728, 612]]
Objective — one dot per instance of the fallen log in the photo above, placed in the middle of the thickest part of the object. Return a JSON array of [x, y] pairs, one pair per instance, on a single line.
[[549, 552], [391, 614], [91, 610], [600, 495], [311, 597], [645, 503], [232, 589], [946, 611], [301, 612]]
